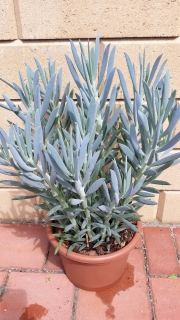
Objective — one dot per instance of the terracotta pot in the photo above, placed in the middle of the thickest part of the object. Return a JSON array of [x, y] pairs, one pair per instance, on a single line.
[[94, 273]]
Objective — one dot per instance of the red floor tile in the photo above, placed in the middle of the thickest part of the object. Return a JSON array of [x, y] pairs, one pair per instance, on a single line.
[[3, 276], [160, 251], [166, 293], [126, 300], [54, 261], [22, 246], [177, 238], [37, 296]]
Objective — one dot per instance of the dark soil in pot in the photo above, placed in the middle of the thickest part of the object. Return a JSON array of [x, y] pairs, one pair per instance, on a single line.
[[106, 247]]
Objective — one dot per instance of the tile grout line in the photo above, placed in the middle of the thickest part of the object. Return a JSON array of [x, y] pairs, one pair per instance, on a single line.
[[4, 287], [46, 256], [148, 278], [26, 270], [15, 222], [75, 300], [174, 243]]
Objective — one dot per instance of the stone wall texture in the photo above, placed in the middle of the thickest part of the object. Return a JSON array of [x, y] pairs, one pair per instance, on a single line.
[[41, 28]]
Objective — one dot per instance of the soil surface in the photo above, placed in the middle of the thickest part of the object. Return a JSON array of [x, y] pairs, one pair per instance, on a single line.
[[106, 247]]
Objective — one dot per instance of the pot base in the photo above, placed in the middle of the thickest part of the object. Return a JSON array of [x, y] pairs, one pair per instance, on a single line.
[[97, 289], [94, 273]]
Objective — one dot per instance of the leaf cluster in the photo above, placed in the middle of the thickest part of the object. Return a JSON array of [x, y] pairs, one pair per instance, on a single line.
[[89, 158]]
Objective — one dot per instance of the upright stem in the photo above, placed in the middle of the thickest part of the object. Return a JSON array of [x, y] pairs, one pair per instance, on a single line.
[[103, 233], [81, 192]]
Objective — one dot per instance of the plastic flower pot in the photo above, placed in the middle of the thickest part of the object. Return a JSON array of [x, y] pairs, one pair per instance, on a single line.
[[94, 273]]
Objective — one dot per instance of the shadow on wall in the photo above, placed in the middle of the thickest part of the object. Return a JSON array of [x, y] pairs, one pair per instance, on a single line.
[[19, 209]]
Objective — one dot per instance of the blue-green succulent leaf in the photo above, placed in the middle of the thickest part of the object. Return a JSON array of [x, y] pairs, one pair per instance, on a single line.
[[159, 74], [104, 208], [166, 159], [137, 186], [106, 192], [19, 160], [37, 140], [170, 143], [95, 186], [74, 73], [51, 120], [114, 119], [129, 154], [173, 122], [47, 96], [125, 91], [107, 87], [111, 61], [58, 85], [146, 201], [66, 185], [131, 71], [83, 151], [28, 133], [154, 68], [58, 159], [103, 65], [33, 183]]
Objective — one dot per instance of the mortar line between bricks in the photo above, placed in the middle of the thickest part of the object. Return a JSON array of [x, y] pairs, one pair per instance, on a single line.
[[74, 307], [111, 39], [174, 242], [46, 256], [148, 279], [4, 286], [26, 270], [14, 222], [154, 276]]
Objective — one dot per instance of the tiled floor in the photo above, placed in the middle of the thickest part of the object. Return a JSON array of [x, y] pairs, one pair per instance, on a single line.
[[33, 285]]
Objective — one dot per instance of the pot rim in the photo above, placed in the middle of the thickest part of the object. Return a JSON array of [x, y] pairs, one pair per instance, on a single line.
[[95, 259]]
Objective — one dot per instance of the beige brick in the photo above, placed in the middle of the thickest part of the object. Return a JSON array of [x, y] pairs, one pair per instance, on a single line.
[[60, 19], [149, 212], [18, 209], [15, 54], [171, 175], [169, 48], [168, 207], [8, 30]]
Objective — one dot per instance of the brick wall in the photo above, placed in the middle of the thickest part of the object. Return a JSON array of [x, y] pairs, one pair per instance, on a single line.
[[36, 28]]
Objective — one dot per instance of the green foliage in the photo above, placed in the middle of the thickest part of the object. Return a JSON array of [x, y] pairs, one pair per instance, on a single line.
[[173, 277], [89, 161]]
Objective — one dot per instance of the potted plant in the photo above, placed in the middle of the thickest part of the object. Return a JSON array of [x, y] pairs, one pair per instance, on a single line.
[[90, 159]]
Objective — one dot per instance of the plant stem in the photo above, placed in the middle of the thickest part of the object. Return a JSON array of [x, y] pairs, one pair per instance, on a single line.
[[88, 216], [81, 192], [103, 233]]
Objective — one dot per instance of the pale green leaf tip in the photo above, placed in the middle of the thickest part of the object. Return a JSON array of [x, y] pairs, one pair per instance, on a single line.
[[173, 277]]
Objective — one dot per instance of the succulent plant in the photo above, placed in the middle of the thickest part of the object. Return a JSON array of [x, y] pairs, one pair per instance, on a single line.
[[88, 160]]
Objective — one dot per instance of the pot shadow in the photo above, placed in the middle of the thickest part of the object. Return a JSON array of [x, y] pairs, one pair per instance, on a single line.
[[54, 262], [125, 282]]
